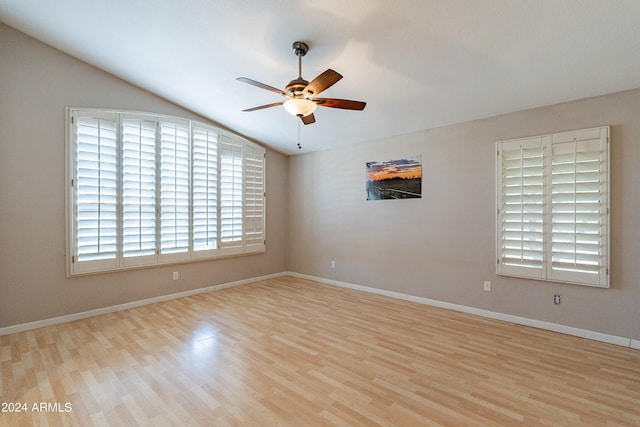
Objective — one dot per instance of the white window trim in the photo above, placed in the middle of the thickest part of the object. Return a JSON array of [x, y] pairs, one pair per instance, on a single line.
[[245, 246], [541, 264]]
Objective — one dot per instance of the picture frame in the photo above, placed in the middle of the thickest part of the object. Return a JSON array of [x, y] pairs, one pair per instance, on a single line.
[[394, 179]]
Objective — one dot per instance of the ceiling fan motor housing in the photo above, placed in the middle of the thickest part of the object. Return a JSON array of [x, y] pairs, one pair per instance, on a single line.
[[296, 87]]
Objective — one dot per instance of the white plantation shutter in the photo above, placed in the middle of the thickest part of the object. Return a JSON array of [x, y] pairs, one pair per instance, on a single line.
[[174, 187], [95, 191], [254, 195], [205, 189], [138, 190], [521, 215], [147, 190], [579, 209], [553, 207], [230, 191]]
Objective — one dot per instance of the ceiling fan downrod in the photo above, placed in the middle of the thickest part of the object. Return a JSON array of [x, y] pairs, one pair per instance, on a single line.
[[300, 49]]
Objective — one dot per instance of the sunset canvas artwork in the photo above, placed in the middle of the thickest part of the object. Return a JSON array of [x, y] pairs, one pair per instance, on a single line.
[[395, 179]]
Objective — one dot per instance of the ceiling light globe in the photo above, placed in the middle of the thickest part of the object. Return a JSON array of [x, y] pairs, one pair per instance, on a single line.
[[300, 107]]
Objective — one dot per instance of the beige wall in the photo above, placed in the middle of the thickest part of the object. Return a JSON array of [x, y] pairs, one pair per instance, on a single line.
[[442, 246], [36, 84]]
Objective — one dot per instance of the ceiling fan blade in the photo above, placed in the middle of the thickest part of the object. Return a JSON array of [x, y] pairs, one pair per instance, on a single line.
[[275, 104], [345, 104], [261, 85], [307, 120], [322, 82]]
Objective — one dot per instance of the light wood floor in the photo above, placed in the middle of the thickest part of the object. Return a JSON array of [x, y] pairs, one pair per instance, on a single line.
[[291, 352]]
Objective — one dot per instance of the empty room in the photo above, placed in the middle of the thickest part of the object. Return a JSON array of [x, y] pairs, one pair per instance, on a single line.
[[319, 213]]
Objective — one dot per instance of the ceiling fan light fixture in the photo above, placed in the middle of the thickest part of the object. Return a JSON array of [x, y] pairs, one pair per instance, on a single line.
[[300, 107]]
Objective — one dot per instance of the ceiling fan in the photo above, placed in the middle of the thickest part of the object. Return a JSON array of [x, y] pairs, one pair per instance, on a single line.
[[301, 94]]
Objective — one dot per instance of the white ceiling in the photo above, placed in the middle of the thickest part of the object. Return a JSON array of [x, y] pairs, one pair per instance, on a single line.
[[417, 63]]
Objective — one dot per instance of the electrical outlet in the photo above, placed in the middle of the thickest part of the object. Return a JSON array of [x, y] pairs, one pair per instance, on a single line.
[[556, 299], [333, 264], [487, 285], [176, 276]]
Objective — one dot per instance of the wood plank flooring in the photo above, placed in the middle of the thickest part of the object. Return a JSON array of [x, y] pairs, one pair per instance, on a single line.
[[292, 352]]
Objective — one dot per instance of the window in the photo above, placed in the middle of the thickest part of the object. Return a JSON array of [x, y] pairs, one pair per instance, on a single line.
[[553, 207], [148, 190]]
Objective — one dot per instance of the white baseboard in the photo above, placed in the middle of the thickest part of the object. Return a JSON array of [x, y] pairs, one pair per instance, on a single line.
[[569, 330], [126, 306]]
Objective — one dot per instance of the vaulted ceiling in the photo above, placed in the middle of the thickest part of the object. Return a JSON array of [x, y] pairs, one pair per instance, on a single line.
[[417, 63]]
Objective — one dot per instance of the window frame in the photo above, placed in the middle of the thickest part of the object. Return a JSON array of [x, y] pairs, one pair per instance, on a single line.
[[543, 246], [250, 214]]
